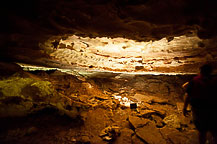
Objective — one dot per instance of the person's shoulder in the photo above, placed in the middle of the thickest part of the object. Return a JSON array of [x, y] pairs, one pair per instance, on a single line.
[[197, 78]]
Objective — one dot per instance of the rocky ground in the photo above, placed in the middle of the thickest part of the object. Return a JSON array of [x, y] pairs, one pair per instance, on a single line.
[[53, 107]]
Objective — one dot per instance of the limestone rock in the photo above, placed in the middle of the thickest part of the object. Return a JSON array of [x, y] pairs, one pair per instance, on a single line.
[[174, 136], [172, 121], [139, 67], [21, 96], [136, 140], [137, 122], [159, 101], [158, 120], [140, 97], [125, 136], [150, 99], [150, 134], [147, 113], [110, 133]]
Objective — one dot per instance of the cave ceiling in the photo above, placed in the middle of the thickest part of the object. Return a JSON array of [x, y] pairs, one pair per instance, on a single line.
[[110, 35]]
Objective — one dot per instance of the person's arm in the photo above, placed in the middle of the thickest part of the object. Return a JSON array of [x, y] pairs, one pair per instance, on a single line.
[[186, 103], [188, 88]]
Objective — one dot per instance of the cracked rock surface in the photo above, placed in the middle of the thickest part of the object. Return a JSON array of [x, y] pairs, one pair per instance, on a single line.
[[54, 107]]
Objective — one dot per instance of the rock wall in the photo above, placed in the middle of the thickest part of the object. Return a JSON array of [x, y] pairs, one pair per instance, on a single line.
[[180, 26], [164, 86]]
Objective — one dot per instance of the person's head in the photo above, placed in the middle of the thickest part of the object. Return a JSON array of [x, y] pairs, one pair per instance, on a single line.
[[206, 69]]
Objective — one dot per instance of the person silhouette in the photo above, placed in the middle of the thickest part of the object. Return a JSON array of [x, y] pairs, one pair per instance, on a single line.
[[201, 95]]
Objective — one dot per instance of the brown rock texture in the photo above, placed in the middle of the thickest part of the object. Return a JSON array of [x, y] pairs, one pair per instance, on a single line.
[[51, 106], [150, 134], [176, 37]]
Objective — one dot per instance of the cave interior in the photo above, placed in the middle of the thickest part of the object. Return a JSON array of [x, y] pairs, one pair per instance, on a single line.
[[101, 71]]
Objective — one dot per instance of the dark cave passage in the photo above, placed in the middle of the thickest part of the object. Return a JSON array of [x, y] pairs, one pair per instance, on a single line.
[[102, 71]]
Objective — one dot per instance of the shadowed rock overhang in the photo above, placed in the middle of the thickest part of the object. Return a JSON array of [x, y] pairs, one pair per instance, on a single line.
[[118, 35]]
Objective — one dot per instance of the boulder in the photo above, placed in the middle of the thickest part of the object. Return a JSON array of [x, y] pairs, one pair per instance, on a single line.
[[172, 121], [21, 96], [174, 136], [137, 122], [147, 113], [150, 134], [125, 136], [110, 133]]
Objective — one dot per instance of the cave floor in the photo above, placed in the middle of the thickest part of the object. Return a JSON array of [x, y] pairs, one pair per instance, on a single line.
[[100, 125], [101, 113]]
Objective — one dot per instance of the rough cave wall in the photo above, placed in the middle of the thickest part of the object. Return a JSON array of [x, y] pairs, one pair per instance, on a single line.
[[150, 19], [164, 86], [27, 24], [182, 54]]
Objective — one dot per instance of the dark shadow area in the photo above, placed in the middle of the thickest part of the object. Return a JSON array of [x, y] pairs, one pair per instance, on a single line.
[[37, 127]]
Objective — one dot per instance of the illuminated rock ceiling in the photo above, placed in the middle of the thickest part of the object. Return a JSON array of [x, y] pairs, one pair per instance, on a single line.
[[118, 35], [125, 55]]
